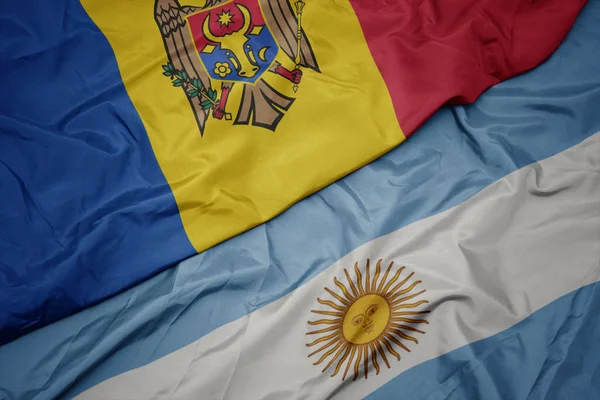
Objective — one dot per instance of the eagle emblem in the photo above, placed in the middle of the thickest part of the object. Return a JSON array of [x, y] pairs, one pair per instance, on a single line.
[[235, 42]]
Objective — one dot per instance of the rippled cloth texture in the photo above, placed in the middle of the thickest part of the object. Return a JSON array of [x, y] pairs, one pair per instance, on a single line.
[[105, 179], [471, 272], [434, 52], [459, 152]]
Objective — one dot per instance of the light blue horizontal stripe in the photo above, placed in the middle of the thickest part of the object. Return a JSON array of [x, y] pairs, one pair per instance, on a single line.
[[458, 153], [553, 354]]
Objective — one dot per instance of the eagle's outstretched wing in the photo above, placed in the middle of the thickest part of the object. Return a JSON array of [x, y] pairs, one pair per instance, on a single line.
[[179, 44], [283, 23]]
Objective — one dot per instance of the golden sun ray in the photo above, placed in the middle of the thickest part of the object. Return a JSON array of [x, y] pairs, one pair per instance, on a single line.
[[326, 345], [409, 305], [322, 339], [367, 279], [341, 362], [412, 296], [373, 359], [409, 313], [370, 317], [377, 271], [393, 339], [351, 283], [382, 353], [331, 328], [359, 280], [331, 304], [330, 313], [326, 354], [389, 268], [405, 336], [406, 327], [357, 363], [398, 286], [325, 321], [344, 291], [366, 361], [396, 276], [349, 363], [339, 298], [409, 320], [401, 292], [334, 358], [389, 347]]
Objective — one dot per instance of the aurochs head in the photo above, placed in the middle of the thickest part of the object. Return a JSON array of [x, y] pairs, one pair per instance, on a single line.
[[236, 45]]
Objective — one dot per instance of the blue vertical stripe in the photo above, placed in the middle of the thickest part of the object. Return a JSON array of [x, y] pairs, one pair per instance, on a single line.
[[83, 202]]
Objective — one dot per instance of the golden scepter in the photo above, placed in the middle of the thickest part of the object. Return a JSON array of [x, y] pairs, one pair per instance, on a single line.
[[299, 8]]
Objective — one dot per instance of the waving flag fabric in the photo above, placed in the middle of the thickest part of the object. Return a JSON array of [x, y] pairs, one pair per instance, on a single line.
[[134, 135], [366, 321], [493, 209]]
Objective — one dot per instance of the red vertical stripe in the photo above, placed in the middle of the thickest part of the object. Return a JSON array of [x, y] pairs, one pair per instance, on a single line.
[[432, 52]]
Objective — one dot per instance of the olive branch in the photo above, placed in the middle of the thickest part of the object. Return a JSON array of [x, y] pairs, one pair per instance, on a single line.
[[179, 78]]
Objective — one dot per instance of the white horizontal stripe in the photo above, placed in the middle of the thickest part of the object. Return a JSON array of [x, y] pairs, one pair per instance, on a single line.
[[488, 263]]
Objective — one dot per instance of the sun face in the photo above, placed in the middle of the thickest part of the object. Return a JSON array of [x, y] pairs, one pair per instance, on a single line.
[[367, 320]]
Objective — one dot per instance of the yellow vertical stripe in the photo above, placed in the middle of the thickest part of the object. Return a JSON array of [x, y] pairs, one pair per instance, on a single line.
[[235, 177]]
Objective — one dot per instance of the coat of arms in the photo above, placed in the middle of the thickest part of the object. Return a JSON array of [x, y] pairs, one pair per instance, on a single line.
[[235, 42]]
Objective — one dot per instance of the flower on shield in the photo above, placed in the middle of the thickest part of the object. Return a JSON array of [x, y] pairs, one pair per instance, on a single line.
[[222, 69]]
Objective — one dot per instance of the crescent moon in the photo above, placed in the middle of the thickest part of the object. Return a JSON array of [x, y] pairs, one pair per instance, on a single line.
[[262, 52]]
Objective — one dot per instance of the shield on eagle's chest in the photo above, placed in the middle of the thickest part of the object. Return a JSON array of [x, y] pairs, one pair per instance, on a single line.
[[233, 40]]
